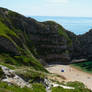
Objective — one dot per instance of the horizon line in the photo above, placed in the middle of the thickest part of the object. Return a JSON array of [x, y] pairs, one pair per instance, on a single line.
[[57, 16]]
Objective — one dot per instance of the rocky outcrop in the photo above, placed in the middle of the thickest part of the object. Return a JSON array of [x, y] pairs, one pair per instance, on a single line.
[[86, 44], [81, 45], [49, 84], [7, 46], [10, 77], [50, 45], [78, 60]]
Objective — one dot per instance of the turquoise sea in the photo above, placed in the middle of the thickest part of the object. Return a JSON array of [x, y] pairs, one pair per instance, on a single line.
[[78, 25]]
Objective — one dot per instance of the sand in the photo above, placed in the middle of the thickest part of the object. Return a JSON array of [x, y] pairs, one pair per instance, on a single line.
[[72, 74]]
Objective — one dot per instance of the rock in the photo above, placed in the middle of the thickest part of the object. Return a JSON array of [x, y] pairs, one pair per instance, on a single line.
[[7, 46], [49, 84], [81, 45], [78, 60], [12, 78]]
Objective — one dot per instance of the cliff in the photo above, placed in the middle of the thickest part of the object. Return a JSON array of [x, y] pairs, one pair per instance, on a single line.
[[81, 45], [46, 41], [25, 39]]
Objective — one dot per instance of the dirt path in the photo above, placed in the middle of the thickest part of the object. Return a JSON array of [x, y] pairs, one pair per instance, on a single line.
[[72, 74]]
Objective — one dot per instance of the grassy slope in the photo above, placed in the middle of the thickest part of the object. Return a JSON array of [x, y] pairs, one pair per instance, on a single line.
[[4, 87], [26, 57], [4, 30], [85, 66], [38, 87], [79, 87]]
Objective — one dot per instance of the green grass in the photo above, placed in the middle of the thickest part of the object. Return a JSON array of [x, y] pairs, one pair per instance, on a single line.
[[12, 88], [1, 73], [4, 30], [60, 89], [63, 33], [30, 61], [37, 87], [6, 60], [21, 60], [6, 33], [8, 65], [85, 66], [79, 87], [76, 84], [30, 74]]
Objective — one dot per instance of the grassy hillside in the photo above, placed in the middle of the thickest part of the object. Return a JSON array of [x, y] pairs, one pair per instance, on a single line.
[[21, 54], [79, 87], [85, 66], [38, 87]]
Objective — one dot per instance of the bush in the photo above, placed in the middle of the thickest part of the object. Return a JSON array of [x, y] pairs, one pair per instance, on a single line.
[[38, 87]]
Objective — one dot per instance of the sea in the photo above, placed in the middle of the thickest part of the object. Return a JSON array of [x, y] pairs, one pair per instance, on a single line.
[[78, 25]]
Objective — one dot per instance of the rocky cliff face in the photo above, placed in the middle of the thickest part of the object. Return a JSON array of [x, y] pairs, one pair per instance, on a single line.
[[51, 43], [46, 41], [81, 45], [86, 44]]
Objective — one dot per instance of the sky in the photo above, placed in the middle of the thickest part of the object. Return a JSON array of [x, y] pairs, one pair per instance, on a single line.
[[76, 8]]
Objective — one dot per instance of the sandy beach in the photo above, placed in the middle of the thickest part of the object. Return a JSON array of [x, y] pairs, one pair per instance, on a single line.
[[72, 74]]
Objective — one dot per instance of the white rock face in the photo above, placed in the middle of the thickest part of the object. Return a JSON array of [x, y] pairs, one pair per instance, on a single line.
[[50, 84], [12, 78], [65, 87]]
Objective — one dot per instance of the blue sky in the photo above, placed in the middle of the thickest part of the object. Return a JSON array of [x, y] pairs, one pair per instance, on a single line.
[[79, 8]]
